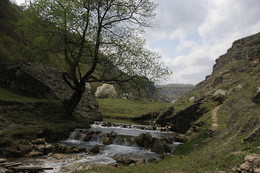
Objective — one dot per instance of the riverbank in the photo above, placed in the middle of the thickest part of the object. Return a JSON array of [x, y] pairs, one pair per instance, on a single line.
[[23, 119]]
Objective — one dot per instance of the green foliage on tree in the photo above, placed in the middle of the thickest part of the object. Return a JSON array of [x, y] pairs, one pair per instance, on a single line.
[[100, 40]]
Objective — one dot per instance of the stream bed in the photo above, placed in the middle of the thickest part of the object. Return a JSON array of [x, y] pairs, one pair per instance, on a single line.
[[123, 145]]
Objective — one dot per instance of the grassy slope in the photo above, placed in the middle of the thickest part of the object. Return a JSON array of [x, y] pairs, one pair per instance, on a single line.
[[119, 108], [23, 119], [9, 95], [223, 149]]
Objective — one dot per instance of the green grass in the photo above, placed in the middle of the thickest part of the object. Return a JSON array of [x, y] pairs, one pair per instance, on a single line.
[[25, 118], [9, 95], [119, 108], [217, 151]]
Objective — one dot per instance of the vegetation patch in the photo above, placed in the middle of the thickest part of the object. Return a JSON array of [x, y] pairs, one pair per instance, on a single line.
[[120, 108], [9, 95]]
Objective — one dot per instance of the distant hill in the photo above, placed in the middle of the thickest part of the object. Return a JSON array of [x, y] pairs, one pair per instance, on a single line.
[[172, 92]]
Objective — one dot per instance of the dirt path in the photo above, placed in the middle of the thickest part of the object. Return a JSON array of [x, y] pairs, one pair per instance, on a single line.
[[215, 118]]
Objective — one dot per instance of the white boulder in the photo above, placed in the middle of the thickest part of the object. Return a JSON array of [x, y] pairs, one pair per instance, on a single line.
[[106, 91]]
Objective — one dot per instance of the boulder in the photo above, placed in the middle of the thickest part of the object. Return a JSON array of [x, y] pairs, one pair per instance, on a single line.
[[126, 161], [87, 137], [149, 142], [182, 121], [219, 96], [106, 91], [180, 138], [140, 139], [161, 120], [256, 97], [160, 147], [253, 136], [95, 149], [251, 164], [192, 99], [107, 140]]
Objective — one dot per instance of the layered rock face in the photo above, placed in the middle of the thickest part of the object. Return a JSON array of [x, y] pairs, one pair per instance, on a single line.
[[46, 82], [247, 48], [244, 53]]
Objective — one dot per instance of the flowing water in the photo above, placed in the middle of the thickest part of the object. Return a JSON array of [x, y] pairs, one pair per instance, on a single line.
[[122, 145]]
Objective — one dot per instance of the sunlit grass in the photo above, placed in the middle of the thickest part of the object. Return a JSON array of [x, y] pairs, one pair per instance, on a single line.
[[128, 108]]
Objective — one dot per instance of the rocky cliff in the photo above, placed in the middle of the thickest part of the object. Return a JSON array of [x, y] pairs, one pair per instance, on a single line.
[[46, 82], [236, 71], [242, 56]]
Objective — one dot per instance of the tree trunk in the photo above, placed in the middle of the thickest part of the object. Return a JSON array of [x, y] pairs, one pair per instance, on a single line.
[[71, 104]]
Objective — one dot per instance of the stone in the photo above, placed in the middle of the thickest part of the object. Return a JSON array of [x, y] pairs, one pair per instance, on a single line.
[[113, 134], [161, 120], [68, 150], [95, 149], [116, 165], [106, 91], [257, 170], [60, 148], [124, 160], [107, 141], [34, 154], [38, 141], [140, 139], [253, 158], [192, 99], [160, 147], [245, 166], [77, 136], [180, 138], [40, 148], [87, 137], [253, 136], [256, 97], [141, 161], [219, 96], [152, 160]]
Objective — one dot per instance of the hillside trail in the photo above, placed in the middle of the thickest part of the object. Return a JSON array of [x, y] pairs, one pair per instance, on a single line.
[[215, 118]]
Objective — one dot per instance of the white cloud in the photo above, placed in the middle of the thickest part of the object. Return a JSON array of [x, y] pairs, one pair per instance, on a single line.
[[205, 29]]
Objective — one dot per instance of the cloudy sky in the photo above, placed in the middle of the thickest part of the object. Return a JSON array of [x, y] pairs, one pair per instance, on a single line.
[[191, 34]]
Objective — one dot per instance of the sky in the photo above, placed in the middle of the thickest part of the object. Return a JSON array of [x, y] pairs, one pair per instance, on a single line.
[[192, 34]]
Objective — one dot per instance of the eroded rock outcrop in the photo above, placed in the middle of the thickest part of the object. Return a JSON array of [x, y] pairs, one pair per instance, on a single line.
[[46, 82], [244, 53]]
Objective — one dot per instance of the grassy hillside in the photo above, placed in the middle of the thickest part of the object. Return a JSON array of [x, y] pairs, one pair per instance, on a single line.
[[120, 110], [220, 144]]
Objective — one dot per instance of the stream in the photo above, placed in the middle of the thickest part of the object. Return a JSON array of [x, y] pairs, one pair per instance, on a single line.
[[122, 145]]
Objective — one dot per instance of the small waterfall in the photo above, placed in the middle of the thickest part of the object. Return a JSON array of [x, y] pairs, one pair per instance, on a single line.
[[122, 143]]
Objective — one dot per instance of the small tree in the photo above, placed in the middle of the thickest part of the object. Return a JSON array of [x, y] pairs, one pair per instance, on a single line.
[[100, 40]]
